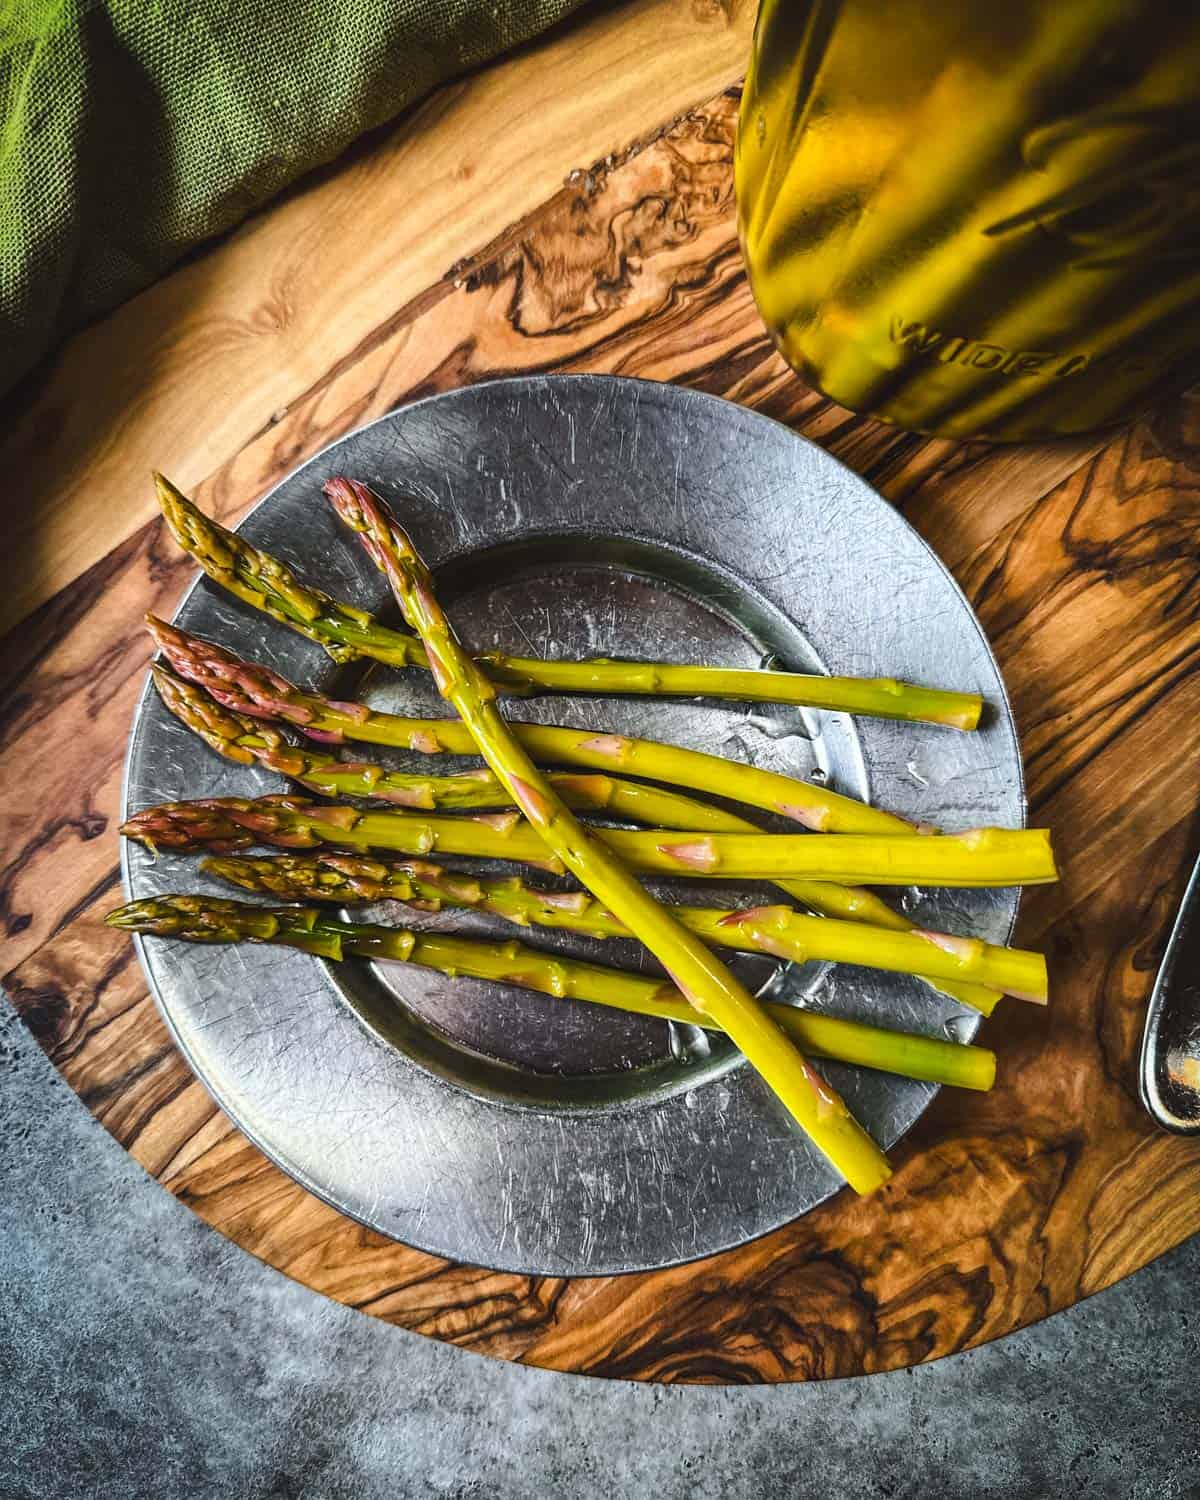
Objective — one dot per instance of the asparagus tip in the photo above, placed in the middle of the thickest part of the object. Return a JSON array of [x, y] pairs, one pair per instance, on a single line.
[[168, 494]]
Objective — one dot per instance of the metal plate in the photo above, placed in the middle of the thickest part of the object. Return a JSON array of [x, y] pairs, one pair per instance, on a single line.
[[567, 516]]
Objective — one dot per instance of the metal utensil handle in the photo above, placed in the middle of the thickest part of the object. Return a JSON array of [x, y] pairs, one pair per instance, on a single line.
[[1170, 1065]]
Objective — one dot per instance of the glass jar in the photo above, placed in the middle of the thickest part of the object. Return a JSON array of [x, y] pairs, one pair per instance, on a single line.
[[977, 219]]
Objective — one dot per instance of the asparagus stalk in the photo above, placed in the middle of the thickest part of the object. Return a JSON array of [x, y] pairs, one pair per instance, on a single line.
[[695, 972], [238, 738], [346, 633], [701, 978], [346, 879], [980, 857], [253, 690], [202, 919]]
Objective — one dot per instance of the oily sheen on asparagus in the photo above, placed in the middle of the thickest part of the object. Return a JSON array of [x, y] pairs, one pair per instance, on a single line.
[[239, 738], [245, 713], [206, 919], [346, 632]]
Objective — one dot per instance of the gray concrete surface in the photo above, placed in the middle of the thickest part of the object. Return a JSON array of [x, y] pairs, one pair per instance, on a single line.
[[141, 1355]]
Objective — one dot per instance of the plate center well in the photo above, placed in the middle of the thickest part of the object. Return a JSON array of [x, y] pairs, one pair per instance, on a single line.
[[574, 597]]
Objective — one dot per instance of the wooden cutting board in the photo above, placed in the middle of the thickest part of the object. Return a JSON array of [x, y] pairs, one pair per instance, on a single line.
[[1081, 559]]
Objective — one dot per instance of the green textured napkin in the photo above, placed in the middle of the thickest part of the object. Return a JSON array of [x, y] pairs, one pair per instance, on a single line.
[[130, 131]]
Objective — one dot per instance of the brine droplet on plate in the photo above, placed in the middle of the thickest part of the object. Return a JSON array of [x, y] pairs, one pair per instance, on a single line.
[[688, 1044], [958, 1028], [784, 724]]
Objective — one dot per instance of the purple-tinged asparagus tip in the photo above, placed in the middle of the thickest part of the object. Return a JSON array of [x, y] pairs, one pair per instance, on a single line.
[[361, 508], [342, 495]]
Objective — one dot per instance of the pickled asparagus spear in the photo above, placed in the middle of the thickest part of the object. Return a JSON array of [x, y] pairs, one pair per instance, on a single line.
[[346, 879], [254, 690], [346, 633], [246, 688], [980, 857], [702, 979], [239, 738], [204, 919]]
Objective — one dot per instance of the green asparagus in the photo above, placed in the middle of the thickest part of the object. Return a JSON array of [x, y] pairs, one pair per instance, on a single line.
[[346, 633], [249, 689], [980, 857], [346, 879], [261, 693], [203, 919], [239, 738], [701, 978]]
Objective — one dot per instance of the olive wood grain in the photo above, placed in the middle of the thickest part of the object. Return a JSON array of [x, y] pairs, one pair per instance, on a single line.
[[297, 289], [1080, 557]]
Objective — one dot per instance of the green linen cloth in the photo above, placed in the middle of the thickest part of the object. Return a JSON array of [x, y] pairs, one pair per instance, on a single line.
[[131, 130]]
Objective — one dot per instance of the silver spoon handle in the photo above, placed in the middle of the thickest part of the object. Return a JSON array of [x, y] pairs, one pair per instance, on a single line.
[[1170, 1066]]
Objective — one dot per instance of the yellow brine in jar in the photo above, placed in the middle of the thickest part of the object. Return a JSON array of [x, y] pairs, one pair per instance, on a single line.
[[977, 219]]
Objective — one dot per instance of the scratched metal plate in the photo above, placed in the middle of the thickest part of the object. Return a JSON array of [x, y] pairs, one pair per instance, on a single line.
[[571, 516]]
